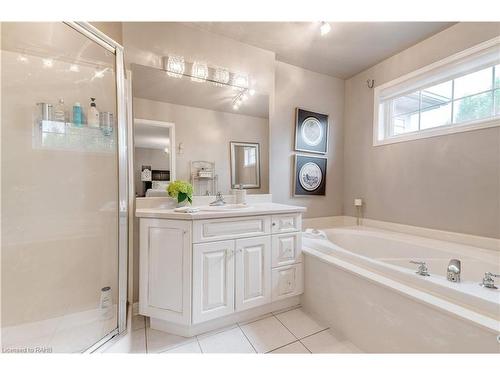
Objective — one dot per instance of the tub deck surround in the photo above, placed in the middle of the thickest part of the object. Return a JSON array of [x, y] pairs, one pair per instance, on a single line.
[[204, 270], [361, 263]]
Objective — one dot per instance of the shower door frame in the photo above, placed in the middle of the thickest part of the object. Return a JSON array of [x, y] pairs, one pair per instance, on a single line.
[[121, 108]]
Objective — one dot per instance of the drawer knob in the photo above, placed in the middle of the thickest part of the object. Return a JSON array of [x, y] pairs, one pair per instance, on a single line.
[[274, 224]]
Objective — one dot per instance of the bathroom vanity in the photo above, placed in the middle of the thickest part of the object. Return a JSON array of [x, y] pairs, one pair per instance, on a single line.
[[200, 271]]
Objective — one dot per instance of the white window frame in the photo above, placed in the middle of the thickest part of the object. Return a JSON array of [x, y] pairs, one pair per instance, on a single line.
[[379, 124]]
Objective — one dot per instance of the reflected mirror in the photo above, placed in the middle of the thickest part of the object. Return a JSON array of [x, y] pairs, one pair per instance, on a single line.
[[245, 165]]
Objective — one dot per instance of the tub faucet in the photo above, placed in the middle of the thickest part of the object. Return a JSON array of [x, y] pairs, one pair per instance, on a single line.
[[454, 270], [422, 268], [488, 281]]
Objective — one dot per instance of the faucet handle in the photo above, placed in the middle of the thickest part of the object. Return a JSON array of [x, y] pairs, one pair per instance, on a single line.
[[488, 281], [422, 268]]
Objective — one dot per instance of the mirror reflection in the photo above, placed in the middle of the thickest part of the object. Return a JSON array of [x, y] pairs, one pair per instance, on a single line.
[[245, 165], [206, 125]]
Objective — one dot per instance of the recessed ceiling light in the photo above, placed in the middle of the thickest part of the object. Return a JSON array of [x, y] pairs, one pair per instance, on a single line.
[[325, 28]]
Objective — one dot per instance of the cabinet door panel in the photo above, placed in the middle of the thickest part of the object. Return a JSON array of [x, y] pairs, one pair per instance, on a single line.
[[253, 272], [165, 270], [287, 249], [287, 281], [213, 280]]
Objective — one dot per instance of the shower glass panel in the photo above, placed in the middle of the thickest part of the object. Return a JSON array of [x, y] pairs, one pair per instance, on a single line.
[[60, 199]]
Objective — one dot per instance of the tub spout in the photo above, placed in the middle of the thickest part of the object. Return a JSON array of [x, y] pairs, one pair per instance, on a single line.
[[454, 270]]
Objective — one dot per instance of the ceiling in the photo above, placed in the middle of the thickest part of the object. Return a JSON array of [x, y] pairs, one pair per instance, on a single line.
[[349, 48], [155, 84]]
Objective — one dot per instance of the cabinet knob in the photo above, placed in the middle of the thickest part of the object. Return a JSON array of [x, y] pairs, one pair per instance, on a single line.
[[274, 224]]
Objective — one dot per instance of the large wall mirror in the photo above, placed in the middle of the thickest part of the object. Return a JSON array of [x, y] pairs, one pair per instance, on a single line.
[[206, 126]]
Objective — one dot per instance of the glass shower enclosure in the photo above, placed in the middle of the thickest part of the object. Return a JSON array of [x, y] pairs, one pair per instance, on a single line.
[[63, 188]]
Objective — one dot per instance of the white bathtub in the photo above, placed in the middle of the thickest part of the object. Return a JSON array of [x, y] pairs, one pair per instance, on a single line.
[[373, 291]]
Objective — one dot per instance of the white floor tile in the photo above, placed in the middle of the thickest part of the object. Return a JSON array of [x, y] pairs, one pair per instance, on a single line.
[[215, 331], [267, 334], [132, 342], [159, 341], [189, 348], [326, 342], [247, 321], [232, 341], [293, 348], [299, 323]]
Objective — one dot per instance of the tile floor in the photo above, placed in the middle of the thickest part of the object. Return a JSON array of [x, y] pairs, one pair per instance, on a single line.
[[291, 331]]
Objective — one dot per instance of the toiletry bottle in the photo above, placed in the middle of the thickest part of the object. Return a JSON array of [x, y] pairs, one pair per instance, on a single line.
[[93, 115], [77, 115], [60, 111], [106, 303]]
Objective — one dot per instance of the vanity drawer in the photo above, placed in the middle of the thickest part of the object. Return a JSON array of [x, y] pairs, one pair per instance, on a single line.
[[287, 223], [287, 282], [222, 229], [287, 249]]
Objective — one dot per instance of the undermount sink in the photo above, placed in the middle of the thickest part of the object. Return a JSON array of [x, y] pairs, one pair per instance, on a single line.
[[226, 207]]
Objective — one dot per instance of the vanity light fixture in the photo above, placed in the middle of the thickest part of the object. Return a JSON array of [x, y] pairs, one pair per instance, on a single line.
[[324, 28], [221, 76], [199, 72], [175, 66]]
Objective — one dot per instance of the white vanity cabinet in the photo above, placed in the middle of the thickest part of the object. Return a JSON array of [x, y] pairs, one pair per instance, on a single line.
[[199, 271]]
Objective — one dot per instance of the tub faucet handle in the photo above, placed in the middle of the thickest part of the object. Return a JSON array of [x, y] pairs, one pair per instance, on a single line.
[[488, 281], [422, 268]]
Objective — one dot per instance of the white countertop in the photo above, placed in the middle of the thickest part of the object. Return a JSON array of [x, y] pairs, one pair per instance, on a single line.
[[253, 210]]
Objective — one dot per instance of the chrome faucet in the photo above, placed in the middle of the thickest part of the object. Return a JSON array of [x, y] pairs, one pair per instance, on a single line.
[[454, 270], [422, 268], [488, 281], [219, 200]]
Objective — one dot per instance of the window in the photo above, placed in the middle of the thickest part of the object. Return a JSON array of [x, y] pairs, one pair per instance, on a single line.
[[457, 94]]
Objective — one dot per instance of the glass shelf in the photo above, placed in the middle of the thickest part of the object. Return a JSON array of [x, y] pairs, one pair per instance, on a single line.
[[57, 135]]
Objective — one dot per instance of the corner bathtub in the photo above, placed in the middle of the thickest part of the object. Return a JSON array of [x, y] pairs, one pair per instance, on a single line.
[[361, 283]]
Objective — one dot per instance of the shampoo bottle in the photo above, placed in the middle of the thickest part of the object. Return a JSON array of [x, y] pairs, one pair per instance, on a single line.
[[77, 115], [93, 115]]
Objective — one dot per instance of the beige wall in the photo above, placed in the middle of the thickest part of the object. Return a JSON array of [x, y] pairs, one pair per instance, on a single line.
[[449, 182], [297, 87], [111, 29]]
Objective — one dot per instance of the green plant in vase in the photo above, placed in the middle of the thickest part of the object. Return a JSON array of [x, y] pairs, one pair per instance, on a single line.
[[182, 191]]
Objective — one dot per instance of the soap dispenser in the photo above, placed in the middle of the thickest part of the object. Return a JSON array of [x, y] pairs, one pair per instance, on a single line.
[[93, 115]]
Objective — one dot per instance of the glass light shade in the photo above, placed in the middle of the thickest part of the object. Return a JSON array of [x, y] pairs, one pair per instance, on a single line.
[[175, 66], [199, 72], [221, 76], [240, 80]]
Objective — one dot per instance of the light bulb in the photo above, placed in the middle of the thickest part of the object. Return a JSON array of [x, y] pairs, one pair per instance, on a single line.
[[22, 59], [235, 106], [325, 28], [251, 92], [48, 63]]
